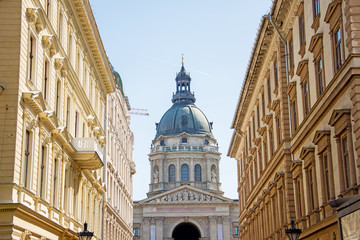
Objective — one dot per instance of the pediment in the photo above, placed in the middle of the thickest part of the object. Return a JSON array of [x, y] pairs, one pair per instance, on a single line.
[[185, 195]]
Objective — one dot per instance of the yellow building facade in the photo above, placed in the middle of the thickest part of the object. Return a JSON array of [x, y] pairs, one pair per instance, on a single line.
[[54, 78], [297, 123]]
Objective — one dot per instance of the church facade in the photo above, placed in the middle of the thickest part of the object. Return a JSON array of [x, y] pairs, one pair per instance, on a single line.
[[185, 200]]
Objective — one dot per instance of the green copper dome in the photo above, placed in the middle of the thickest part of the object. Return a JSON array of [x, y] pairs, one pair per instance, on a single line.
[[181, 118], [184, 115]]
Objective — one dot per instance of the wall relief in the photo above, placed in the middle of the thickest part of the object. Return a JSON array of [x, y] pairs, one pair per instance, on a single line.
[[185, 196]]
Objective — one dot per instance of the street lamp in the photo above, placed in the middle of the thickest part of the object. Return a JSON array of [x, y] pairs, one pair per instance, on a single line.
[[85, 235], [293, 233]]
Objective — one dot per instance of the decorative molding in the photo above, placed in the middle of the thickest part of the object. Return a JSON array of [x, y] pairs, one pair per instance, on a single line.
[[36, 17], [49, 44], [185, 196]]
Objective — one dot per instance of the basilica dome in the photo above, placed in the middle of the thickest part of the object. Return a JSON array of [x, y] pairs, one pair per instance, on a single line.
[[183, 117]]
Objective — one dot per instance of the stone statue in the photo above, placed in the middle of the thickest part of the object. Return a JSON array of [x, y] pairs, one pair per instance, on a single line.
[[213, 175], [156, 175], [185, 195]]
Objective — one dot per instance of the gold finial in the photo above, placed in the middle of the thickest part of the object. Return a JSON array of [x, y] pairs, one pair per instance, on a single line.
[[182, 58]]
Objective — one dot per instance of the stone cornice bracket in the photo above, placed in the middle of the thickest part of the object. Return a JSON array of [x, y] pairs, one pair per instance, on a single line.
[[59, 63], [36, 17], [102, 141], [132, 168], [91, 121], [49, 43]]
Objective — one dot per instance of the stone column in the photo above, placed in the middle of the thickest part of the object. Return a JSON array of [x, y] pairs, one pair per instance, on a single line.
[[152, 229], [159, 228], [213, 228], [220, 229], [146, 229], [226, 227]]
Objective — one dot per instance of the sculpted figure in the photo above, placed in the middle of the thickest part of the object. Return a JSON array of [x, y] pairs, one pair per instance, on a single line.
[[185, 195], [156, 175], [179, 196], [213, 175]]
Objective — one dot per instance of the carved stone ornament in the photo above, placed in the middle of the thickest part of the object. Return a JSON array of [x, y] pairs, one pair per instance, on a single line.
[[49, 44], [185, 196], [59, 63], [33, 123], [57, 151], [36, 17], [26, 235], [45, 137], [29, 120]]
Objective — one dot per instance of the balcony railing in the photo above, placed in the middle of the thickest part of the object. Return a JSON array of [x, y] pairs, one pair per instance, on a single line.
[[89, 154], [187, 148]]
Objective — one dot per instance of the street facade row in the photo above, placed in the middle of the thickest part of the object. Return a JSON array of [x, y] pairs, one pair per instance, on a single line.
[[296, 127], [65, 139]]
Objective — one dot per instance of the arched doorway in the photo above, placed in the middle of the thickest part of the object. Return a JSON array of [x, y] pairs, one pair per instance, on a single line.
[[186, 231]]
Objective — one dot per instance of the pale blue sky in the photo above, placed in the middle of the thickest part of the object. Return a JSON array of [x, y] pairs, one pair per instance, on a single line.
[[144, 41]]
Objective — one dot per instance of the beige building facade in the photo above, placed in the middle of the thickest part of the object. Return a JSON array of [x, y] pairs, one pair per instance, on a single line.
[[54, 78], [296, 126], [119, 167]]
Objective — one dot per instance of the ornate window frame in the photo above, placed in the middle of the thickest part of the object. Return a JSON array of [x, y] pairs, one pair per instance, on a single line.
[[316, 14], [296, 170], [308, 156], [303, 72], [290, 42], [316, 47], [302, 32], [323, 142], [333, 16], [293, 106], [341, 121]]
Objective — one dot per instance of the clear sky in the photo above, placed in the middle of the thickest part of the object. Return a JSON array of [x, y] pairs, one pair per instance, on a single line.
[[144, 41]]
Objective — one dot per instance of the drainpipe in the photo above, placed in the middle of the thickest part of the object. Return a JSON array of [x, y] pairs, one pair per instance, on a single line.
[[286, 64], [287, 71]]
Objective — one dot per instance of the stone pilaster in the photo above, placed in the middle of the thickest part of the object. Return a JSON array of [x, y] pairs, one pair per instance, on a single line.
[[159, 228], [352, 21], [146, 229], [213, 228], [226, 228]]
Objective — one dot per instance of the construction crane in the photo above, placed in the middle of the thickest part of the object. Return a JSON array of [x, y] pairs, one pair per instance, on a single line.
[[138, 111]]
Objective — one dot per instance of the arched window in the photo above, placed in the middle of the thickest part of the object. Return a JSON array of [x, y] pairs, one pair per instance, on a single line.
[[172, 173], [197, 173], [184, 172]]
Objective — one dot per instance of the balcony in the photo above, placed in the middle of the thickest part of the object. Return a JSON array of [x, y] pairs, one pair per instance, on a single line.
[[187, 148], [89, 154]]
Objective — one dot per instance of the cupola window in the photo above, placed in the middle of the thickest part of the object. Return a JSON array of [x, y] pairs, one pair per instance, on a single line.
[[206, 142], [185, 172], [184, 140], [172, 173], [162, 143], [197, 173]]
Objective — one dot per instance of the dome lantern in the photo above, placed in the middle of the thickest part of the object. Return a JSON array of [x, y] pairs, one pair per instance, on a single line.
[[183, 93]]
